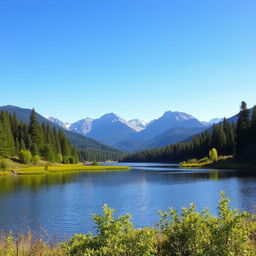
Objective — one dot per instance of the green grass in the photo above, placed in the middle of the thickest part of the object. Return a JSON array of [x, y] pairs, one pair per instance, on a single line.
[[194, 165], [223, 162], [63, 168]]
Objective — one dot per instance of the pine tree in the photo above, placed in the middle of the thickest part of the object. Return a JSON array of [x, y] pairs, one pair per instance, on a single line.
[[253, 125], [35, 131], [7, 140], [34, 150], [243, 125]]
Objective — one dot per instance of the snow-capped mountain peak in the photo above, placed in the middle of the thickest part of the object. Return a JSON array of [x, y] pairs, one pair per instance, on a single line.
[[58, 122], [138, 124]]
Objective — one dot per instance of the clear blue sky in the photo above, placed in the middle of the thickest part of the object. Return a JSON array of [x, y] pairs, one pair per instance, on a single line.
[[137, 58]]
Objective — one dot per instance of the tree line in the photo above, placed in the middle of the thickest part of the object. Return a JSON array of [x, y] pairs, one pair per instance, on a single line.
[[34, 140], [228, 137]]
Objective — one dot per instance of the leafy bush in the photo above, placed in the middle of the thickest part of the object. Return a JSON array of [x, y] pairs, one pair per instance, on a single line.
[[25, 156], [115, 237], [4, 165], [213, 154], [95, 163], [59, 158], [201, 234], [72, 160], [192, 233], [36, 159], [27, 245]]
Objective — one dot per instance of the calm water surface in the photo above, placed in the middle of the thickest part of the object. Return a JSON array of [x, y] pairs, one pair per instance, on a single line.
[[64, 203]]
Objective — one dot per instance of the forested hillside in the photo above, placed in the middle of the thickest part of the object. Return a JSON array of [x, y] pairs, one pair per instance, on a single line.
[[41, 141], [77, 140], [229, 138]]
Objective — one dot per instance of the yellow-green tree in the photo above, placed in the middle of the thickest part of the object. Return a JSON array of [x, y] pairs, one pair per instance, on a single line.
[[213, 154]]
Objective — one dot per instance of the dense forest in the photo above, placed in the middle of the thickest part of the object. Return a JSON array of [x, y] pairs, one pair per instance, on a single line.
[[229, 138], [41, 141]]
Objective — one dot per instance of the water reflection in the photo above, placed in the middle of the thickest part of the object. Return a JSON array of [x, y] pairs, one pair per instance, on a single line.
[[10, 184], [64, 203]]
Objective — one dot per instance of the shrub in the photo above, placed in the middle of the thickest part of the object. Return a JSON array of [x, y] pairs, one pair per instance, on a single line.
[[36, 159], [4, 165], [213, 154], [71, 160], [65, 160], [114, 237], [25, 156], [201, 234], [95, 163], [27, 245], [59, 158]]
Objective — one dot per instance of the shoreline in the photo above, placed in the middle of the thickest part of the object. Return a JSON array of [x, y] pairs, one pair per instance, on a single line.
[[40, 170], [221, 164]]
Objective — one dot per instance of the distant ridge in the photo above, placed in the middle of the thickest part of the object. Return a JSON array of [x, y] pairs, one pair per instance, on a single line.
[[78, 140], [136, 134]]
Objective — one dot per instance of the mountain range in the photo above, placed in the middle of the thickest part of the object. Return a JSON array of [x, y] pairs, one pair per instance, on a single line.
[[112, 133], [136, 135]]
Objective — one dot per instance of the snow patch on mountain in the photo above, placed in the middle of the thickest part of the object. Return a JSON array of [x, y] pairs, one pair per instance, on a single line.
[[58, 122]]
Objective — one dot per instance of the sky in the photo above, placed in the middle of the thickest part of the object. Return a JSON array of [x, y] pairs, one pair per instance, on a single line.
[[136, 58]]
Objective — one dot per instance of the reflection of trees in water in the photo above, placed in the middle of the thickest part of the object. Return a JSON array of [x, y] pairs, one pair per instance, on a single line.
[[17, 183], [193, 175]]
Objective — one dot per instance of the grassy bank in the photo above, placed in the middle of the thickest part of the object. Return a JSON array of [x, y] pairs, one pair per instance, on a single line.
[[192, 233], [46, 168], [224, 162]]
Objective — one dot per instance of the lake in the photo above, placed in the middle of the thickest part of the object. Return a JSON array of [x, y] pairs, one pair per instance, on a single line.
[[63, 204]]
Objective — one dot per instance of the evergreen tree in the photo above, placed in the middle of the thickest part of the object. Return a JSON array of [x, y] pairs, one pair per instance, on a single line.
[[35, 131], [48, 153], [6, 137], [34, 149], [243, 125], [218, 138], [253, 125]]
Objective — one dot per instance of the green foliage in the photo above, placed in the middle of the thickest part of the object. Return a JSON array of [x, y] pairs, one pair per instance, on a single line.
[[191, 233], [59, 158], [4, 165], [35, 130], [115, 237], [46, 167], [36, 159], [25, 156], [99, 155], [47, 152], [200, 234], [242, 129], [34, 149], [27, 245], [7, 144], [71, 160], [40, 140], [213, 155], [227, 137]]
